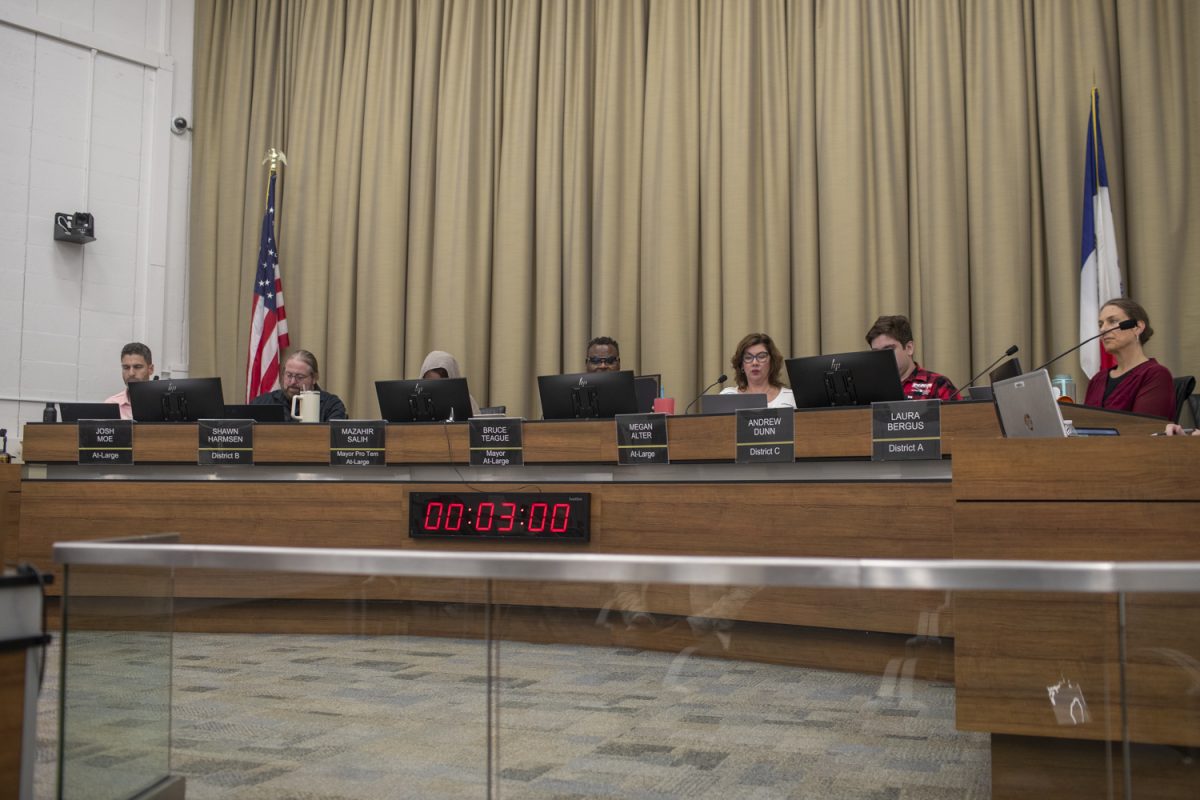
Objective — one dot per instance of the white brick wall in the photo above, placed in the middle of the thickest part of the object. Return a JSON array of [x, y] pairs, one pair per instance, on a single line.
[[87, 92]]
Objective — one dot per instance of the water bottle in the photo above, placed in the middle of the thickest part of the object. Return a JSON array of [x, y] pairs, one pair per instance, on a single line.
[[1064, 388], [50, 413]]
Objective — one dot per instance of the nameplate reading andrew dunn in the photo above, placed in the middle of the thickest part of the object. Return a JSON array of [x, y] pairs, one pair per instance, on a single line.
[[766, 435]]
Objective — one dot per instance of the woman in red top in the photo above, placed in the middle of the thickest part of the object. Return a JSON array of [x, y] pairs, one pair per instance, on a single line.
[[1137, 383]]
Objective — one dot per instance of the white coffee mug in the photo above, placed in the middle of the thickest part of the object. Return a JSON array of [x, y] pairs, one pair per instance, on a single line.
[[309, 406]]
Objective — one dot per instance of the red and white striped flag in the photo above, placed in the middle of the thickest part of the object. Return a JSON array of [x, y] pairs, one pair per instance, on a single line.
[[268, 319]]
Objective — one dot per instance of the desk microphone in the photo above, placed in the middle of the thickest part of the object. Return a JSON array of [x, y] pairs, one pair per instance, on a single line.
[[1012, 351], [1125, 325], [721, 379]]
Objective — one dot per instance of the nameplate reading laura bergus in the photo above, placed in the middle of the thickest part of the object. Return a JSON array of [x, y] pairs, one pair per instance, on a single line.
[[496, 441], [906, 430], [766, 435]]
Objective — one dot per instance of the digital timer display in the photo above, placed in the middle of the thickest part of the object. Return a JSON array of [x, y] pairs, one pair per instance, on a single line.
[[500, 515]]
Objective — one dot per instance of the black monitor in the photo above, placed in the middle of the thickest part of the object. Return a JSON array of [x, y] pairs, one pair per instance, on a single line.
[[437, 400], [647, 388], [845, 379], [73, 412], [584, 395], [1009, 369], [177, 400]]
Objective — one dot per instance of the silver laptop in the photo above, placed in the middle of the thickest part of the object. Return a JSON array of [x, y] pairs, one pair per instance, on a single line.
[[729, 403], [1027, 408]]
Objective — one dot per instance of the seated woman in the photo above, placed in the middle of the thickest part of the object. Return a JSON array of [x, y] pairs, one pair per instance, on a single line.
[[440, 364], [1137, 383], [756, 364]]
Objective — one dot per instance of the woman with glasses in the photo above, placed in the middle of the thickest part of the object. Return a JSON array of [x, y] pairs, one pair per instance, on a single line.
[[757, 364]]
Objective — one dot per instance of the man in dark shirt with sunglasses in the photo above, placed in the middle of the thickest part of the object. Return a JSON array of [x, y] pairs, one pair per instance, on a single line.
[[603, 355]]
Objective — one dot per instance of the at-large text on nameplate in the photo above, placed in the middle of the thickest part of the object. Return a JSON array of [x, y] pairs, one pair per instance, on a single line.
[[766, 435], [225, 441], [642, 439], [105, 441], [906, 430], [357, 443], [495, 442]]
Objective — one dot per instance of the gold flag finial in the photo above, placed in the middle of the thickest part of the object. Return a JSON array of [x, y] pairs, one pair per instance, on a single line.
[[275, 157]]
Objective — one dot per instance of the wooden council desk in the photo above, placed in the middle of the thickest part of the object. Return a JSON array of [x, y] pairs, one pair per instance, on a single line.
[[1008, 499]]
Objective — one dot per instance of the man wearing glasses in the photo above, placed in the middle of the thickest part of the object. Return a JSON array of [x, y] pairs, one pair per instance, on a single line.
[[300, 374], [603, 355], [895, 333]]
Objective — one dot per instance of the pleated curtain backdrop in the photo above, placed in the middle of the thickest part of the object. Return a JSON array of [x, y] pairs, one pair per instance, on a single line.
[[505, 180]]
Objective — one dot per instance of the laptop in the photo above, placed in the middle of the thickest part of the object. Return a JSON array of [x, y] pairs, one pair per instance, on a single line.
[[259, 413], [1027, 408], [729, 403], [73, 412]]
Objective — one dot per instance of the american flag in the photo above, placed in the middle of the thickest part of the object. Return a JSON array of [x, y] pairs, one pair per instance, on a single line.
[[268, 319]]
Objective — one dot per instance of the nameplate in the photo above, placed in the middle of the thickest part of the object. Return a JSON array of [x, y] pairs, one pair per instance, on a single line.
[[642, 439], [496, 442], [766, 435], [907, 430], [357, 443], [105, 441], [225, 441]]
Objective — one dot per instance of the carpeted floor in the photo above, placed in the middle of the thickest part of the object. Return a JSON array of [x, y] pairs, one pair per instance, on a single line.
[[311, 717]]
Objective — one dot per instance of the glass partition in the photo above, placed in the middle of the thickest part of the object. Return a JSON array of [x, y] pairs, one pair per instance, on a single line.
[[1161, 648], [454, 674], [115, 685]]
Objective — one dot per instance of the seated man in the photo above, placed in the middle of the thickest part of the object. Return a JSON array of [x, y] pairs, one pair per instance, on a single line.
[[895, 333], [137, 365], [300, 374], [603, 355]]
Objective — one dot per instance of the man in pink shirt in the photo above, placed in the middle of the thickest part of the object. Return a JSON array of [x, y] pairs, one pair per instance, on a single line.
[[136, 365]]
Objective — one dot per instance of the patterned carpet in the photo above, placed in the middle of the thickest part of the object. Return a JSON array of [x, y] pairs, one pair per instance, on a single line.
[[340, 717]]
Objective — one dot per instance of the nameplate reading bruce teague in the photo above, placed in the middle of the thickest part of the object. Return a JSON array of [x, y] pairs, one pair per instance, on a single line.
[[105, 441], [226, 441], [906, 430], [357, 443], [496, 442], [642, 439], [766, 435]]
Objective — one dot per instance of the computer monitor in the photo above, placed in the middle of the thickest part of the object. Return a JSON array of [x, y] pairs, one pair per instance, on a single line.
[[262, 412], [1009, 369], [177, 400], [584, 395], [437, 400], [646, 387], [845, 379], [73, 412]]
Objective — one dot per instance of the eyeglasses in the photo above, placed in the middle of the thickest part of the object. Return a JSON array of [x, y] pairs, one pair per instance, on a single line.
[[750, 358], [296, 376], [597, 360]]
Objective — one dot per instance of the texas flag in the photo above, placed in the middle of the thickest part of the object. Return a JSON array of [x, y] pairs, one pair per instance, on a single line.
[[1099, 278]]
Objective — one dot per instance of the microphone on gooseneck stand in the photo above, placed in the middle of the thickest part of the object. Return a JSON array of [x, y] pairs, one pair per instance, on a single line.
[[1012, 351], [1126, 325], [721, 379]]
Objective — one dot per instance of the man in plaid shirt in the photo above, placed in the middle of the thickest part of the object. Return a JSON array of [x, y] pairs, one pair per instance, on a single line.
[[895, 333]]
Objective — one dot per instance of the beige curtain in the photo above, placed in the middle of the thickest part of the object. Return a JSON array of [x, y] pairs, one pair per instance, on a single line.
[[505, 180]]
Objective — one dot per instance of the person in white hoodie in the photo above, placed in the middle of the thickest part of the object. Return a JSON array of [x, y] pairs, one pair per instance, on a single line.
[[440, 364]]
